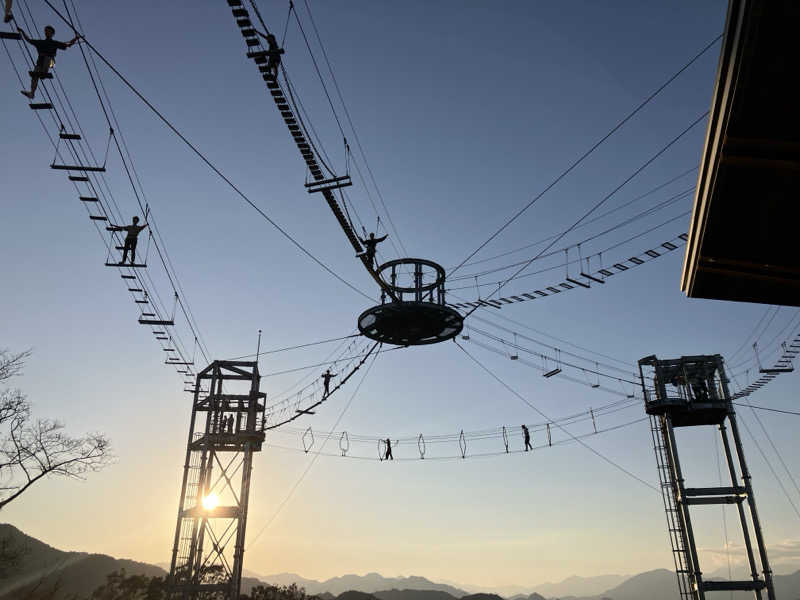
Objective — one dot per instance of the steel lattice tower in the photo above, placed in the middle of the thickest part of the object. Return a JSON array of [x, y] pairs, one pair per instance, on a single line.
[[226, 428], [693, 391]]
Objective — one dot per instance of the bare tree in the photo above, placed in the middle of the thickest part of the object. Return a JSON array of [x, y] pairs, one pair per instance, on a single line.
[[31, 450]]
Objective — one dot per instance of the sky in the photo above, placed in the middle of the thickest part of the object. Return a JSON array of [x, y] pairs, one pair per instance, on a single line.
[[466, 111]]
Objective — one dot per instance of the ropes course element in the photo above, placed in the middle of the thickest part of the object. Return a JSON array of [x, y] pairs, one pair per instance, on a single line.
[[579, 247], [600, 202], [594, 147], [561, 427], [269, 64], [493, 434], [782, 365], [460, 449], [74, 154], [313, 400], [584, 280]]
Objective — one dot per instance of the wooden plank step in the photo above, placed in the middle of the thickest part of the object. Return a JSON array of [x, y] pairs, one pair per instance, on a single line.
[[132, 266], [8, 35], [40, 106], [78, 178], [98, 218], [78, 168], [238, 13], [156, 322], [252, 42], [69, 136], [88, 199], [244, 23]]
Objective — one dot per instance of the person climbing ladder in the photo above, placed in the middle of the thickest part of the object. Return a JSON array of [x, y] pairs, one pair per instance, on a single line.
[[46, 48], [134, 229]]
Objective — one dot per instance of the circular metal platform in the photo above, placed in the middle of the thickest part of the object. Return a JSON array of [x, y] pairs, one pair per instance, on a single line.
[[416, 313], [410, 323]]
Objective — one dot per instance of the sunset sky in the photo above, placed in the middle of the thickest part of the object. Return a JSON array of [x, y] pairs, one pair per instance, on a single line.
[[466, 111]]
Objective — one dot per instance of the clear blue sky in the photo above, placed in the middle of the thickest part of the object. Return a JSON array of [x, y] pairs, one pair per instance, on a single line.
[[466, 111]]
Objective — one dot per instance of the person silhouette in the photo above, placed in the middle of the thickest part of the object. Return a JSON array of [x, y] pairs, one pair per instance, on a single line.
[[46, 48], [224, 424], [388, 455], [134, 229], [527, 435], [326, 380], [370, 247], [274, 53], [8, 16]]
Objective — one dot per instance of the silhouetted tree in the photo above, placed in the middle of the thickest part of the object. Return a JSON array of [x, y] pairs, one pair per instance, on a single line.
[[274, 592], [31, 450], [119, 586]]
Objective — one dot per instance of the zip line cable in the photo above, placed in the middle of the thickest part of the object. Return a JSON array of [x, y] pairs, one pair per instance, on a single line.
[[647, 163], [591, 149], [777, 410], [535, 408]]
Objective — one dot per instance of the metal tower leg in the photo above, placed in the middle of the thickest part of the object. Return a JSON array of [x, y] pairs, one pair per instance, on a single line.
[[226, 428], [751, 501], [742, 516]]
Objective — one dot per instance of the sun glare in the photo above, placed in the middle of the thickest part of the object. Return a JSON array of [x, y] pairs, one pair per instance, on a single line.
[[210, 502]]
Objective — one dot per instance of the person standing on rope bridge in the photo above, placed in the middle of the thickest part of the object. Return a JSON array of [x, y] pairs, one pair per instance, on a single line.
[[134, 229], [388, 455], [527, 435], [8, 15], [47, 49], [370, 247], [326, 381]]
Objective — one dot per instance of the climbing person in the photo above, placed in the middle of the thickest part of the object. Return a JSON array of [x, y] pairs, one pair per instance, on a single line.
[[527, 435], [326, 381], [8, 15], [388, 455], [47, 49], [370, 245], [130, 240], [274, 53]]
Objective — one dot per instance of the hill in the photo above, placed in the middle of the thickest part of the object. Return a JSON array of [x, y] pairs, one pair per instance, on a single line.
[[42, 567]]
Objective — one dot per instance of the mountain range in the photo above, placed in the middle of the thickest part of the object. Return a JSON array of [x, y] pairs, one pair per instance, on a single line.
[[44, 568]]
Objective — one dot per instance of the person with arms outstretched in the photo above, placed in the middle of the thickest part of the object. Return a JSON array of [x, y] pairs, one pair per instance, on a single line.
[[47, 49], [326, 381], [527, 436], [370, 246], [134, 229], [388, 455]]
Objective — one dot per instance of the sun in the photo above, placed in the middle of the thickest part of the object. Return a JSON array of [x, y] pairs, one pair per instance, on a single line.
[[210, 502]]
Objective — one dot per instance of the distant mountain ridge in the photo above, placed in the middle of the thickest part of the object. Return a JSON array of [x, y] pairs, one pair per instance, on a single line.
[[369, 583], [78, 574]]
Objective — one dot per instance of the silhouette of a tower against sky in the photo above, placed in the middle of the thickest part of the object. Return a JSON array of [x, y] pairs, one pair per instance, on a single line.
[[693, 391], [226, 428]]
